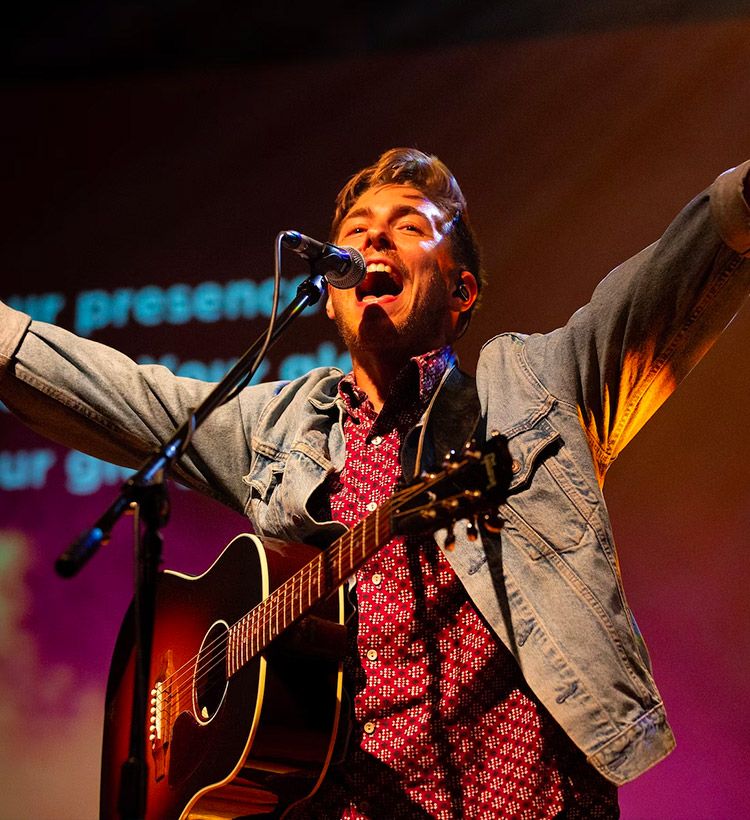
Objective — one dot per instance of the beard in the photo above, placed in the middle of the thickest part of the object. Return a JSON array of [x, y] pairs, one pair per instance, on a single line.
[[426, 327]]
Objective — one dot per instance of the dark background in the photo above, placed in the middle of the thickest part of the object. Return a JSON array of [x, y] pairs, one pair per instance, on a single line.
[[167, 143]]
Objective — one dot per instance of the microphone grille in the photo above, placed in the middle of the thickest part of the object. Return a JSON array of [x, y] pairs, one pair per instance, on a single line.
[[352, 274]]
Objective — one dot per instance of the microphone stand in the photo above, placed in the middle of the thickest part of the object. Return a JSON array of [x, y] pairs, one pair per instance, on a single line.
[[146, 492]]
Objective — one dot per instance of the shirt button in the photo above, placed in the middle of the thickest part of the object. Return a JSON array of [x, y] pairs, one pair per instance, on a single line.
[[515, 466], [377, 579], [369, 727], [372, 505], [372, 654], [376, 440]]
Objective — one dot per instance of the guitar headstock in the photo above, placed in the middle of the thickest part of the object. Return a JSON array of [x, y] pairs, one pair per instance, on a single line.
[[471, 485]]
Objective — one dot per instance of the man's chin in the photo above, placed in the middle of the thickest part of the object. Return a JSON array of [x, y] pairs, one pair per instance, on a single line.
[[377, 332]]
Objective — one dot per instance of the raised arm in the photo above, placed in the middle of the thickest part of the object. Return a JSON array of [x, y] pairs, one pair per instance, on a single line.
[[88, 396], [651, 319]]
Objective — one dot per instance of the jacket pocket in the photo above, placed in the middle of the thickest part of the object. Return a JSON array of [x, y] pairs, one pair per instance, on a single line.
[[550, 501], [266, 473]]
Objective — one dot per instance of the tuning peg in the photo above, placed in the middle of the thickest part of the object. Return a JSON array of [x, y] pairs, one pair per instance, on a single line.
[[450, 541], [471, 450], [450, 461], [472, 531]]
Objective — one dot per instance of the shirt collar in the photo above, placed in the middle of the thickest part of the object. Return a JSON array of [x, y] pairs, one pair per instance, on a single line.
[[421, 374]]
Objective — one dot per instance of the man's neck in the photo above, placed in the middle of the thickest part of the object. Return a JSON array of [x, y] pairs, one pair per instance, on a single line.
[[374, 375]]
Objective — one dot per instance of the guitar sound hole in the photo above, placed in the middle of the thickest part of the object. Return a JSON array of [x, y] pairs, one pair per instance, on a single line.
[[210, 680]]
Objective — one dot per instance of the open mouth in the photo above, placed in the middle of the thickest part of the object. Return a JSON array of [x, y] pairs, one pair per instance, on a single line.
[[381, 280]]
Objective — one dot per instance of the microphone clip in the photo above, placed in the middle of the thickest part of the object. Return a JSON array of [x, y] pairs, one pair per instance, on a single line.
[[342, 267]]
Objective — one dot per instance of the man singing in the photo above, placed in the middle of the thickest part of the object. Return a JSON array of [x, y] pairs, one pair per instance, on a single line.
[[505, 677]]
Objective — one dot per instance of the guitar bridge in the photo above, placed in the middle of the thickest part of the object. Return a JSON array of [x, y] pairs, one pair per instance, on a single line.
[[164, 709]]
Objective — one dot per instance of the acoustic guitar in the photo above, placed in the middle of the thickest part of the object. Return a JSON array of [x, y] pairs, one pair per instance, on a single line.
[[246, 662]]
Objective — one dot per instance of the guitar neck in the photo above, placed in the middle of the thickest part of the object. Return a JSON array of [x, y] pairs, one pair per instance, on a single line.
[[299, 593]]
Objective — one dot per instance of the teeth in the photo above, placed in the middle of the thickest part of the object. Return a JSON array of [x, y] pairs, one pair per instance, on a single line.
[[379, 267]]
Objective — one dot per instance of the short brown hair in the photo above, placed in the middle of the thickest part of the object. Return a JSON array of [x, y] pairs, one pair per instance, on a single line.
[[426, 173]]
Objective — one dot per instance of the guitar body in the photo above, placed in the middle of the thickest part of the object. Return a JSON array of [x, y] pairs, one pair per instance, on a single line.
[[246, 661], [249, 743]]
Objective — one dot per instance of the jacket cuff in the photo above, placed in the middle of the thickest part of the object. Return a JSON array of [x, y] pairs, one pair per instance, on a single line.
[[730, 210], [13, 327]]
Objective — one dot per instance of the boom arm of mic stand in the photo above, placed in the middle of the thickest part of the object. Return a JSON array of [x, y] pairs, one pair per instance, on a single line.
[[87, 544]]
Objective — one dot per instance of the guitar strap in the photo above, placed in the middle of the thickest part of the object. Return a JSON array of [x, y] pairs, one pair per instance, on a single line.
[[451, 419]]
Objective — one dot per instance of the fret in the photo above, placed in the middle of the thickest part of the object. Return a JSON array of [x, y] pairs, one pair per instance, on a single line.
[[230, 652], [334, 563], [288, 611], [281, 609], [247, 637], [253, 634], [244, 658], [236, 644], [231, 648], [236, 639], [341, 546], [250, 633], [338, 558]]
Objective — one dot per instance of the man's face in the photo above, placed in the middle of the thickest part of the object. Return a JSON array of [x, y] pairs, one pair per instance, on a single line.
[[405, 304]]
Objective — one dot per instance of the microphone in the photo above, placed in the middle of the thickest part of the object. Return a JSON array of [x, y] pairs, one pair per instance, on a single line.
[[342, 267]]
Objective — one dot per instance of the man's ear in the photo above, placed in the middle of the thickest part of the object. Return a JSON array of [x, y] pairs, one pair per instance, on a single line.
[[466, 290]]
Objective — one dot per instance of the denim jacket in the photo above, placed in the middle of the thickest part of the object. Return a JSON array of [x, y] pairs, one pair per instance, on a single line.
[[567, 401]]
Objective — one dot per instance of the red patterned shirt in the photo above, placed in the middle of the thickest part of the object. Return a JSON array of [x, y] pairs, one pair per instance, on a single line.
[[445, 725]]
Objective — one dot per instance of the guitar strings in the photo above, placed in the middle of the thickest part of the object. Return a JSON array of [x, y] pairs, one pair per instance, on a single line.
[[261, 617], [201, 665], [276, 604]]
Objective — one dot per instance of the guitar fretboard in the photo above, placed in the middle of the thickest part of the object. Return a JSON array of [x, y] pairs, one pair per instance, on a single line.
[[299, 593]]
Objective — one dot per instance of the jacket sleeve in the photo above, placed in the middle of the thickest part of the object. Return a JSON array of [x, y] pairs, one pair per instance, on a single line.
[[88, 396], [651, 320]]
